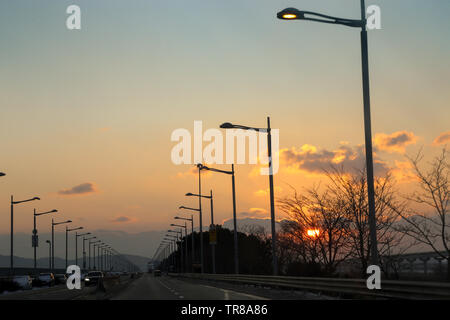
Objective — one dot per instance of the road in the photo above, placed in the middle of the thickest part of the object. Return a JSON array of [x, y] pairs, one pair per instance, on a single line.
[[149, 287]]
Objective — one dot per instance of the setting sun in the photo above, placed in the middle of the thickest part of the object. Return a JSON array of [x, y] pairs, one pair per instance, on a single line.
[[313, 233]]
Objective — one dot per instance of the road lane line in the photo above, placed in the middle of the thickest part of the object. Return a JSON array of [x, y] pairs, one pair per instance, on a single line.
[[170, 289], [238, 293]]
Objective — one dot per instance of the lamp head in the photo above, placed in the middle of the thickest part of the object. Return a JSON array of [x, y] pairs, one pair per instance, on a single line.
[[200, 166], [189, 194], [290, 14], [2, 174], [226, 125], [36, 198], [54, 210]]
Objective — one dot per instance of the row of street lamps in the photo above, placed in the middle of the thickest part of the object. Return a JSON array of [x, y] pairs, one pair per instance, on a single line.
[[105, 253], [166, 244], [295, 14]]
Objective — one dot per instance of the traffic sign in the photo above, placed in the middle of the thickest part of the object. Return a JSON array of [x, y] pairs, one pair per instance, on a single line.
[[212, 235]]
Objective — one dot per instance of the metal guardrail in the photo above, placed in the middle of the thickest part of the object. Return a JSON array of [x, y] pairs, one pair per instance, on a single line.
[[390, 289]]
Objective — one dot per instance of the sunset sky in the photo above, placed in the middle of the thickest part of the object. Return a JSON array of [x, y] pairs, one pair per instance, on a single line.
[[87, 115]]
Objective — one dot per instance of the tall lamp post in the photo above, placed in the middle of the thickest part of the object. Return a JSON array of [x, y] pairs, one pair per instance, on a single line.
[[185, 242], [180, 240], [92, 242], [76, 245], [67, 241], [212, 227], [193, 243], [53, 240], [174, 241], [295, 14], [35, 236], [12, 228], [84, 251], [228, 125], [192, 235], [49, 254], [233, 190], [96, 244], [199, 166]]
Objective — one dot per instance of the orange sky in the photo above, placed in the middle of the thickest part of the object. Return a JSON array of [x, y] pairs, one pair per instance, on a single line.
[[96, 107]]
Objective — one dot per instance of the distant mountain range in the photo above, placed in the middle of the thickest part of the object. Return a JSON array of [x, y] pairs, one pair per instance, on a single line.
[[142, 244], [139, 261]]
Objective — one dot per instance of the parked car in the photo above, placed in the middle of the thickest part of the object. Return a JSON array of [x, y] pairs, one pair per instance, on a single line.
[[93, 277], [157, 273], [60, 278], [24, 282], [45, 279]]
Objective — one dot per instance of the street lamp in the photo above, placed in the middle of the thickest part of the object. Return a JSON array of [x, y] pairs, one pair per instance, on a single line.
[[233, 190], [199, 166], [84, 251], [192, 235], [12, 228], [185, 242], [100, 255], [295, 14], [53, 239], [49, 254], [35, 236], [173, 240], [92, 242], [180, 235], [76, 245], [96, 244], [193, 243], [67, 241], [228, 125], [212, 227]]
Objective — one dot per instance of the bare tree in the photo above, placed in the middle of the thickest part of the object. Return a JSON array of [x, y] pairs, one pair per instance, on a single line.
[[350, 190], [430, 226], [317, 227]]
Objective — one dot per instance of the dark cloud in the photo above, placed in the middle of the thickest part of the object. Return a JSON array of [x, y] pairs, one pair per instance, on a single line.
[[83, 188], [123, 219], [254, 213], [309, 159], [443, 138], [394, 142]]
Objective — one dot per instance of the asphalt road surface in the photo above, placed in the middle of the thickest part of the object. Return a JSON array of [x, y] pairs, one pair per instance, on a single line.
[[149, 287]]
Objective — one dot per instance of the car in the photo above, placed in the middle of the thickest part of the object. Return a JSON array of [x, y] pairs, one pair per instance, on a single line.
[[45, 279], [93, 277], [24, 282], [60, 278], [157, 273]]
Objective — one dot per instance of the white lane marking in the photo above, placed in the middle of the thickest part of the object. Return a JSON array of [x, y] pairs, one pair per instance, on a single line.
[[171, 290], [235, 292], [164, 285]]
